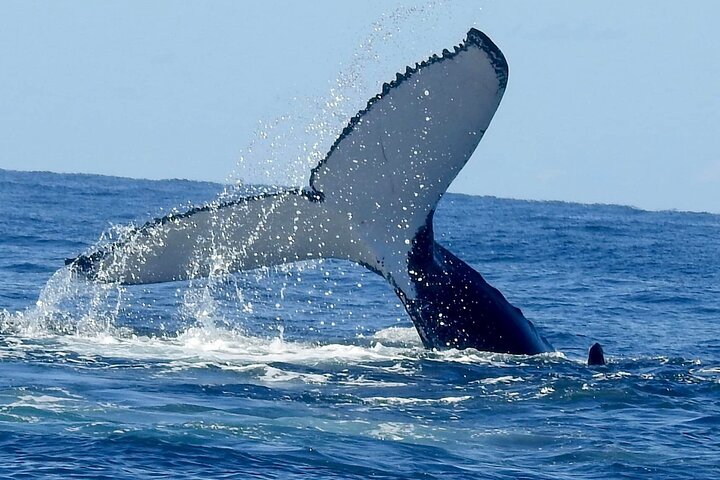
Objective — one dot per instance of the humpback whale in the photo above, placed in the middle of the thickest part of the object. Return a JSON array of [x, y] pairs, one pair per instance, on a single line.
[[371, 200]]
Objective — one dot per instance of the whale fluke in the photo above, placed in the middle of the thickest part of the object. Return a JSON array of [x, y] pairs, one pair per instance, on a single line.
[[370, 201]]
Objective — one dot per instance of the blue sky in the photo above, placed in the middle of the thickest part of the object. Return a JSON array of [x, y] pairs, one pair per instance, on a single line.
[[610, 102]]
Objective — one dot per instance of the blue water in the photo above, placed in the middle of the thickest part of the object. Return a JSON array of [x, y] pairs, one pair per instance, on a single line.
[[315, 371]]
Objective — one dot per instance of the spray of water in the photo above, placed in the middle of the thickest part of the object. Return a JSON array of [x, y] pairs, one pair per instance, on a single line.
[[286, 148], [66, 307]]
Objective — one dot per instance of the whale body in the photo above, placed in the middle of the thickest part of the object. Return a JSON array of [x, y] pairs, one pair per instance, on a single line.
[[371, 201]]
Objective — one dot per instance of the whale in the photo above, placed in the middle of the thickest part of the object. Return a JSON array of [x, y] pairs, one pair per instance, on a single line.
[[371, 200]]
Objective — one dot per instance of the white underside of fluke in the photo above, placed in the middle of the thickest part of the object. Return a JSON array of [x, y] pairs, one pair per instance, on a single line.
[[367, 201]]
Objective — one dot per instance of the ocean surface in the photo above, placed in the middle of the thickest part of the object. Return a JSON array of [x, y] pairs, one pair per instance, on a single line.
[[315, 371]]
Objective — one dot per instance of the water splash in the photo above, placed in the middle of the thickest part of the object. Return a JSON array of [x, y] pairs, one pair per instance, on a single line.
[[68, 307], [286, 148]]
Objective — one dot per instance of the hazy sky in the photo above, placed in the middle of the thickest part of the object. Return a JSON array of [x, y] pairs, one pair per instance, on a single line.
[[612, 102]]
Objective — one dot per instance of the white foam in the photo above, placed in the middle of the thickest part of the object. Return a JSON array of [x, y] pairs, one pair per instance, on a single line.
[[49, 403], [708, 370], [415, 401], [361, 381], [273, 374], [404, 336], [226, 349], [400, 431], [502, 379]]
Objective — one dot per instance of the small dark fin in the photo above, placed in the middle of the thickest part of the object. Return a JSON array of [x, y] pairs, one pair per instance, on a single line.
[[596, 355]]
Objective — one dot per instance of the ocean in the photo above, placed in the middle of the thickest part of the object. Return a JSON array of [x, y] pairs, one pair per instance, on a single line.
[[315, 371]]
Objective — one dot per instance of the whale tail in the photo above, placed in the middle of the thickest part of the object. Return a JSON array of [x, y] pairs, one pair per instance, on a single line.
[[370, 201]]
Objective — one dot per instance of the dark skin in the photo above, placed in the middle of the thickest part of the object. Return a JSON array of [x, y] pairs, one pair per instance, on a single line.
[[596, 355]]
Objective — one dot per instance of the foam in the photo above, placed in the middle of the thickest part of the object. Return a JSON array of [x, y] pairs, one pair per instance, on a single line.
[[416, 401]]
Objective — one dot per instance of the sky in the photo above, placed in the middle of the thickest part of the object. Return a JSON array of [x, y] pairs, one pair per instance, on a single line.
[[607, 102]]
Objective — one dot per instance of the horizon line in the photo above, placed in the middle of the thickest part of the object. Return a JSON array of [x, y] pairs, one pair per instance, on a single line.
[[222, 184]]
